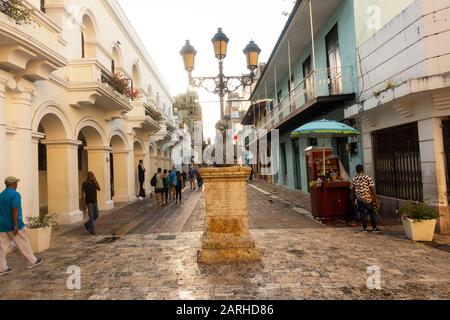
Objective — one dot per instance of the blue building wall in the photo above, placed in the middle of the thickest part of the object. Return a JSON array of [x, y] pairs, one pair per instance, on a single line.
[[345, 20]]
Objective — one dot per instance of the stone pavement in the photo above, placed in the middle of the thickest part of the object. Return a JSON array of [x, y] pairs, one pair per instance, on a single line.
[[147, 253]]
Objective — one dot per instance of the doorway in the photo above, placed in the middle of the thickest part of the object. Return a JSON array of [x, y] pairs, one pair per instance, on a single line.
[[334, 62], [297, 168], [446, 137]]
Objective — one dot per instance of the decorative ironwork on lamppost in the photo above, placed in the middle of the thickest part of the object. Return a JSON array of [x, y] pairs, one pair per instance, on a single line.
[[221, 84]]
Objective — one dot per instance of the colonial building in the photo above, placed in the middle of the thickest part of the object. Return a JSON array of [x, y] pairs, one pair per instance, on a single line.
[[404, 105], [79, 92], [310, 75], [381, 66]]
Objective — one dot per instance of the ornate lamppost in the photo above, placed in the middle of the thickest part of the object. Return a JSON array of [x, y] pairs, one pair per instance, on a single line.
[[226, 238], [221, 84]]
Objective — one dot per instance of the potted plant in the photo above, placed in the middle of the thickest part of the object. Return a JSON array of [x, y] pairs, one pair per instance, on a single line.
[[39, 229], [419, 221]]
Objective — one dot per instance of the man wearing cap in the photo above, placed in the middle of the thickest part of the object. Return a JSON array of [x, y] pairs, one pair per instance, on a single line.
[[12, 226]]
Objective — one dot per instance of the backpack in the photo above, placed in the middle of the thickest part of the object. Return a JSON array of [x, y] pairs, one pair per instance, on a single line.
[[153, 181]]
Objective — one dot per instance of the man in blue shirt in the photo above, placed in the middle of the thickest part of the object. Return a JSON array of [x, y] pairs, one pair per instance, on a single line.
[[12, 227], [172, 185]]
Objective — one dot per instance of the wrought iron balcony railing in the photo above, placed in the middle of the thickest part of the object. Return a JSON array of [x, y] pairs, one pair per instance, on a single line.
[[319, 83]]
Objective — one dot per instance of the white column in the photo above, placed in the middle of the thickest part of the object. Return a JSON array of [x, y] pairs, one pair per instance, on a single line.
[[62, 180], [35, 204], [433, 168], [19, 147], [123, 185], [3, 160], [99, 163]]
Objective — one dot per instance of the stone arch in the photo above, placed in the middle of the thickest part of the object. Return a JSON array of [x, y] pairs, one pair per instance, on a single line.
[[120, 163], [136, 76], [53, 190], [116, 57], [118, 140], [139, 144], [89, 34], [153, 150], [150, 91], [50, 116], [89, 25], [92, 131]]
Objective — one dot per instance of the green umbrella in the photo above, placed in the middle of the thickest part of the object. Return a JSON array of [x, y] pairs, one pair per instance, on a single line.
[[325, 129]]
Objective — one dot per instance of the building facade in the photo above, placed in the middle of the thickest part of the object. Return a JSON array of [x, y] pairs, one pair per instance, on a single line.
[[61, 113], [404, 106], [188, 109], [381, 67], [311, 75]]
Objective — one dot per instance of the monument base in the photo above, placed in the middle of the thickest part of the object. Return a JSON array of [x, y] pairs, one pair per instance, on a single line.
[[227, 238]]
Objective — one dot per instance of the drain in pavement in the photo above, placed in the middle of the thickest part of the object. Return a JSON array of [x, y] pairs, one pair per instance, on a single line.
[[166, 237]]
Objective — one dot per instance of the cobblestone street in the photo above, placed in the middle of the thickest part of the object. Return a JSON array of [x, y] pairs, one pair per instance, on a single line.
[[147, 253]]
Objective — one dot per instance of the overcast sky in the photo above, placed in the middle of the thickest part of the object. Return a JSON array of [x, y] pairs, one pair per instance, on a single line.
[[164, 25]]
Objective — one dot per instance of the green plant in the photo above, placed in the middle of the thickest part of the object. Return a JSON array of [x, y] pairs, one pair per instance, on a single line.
[[41, 221], [418, 212], [16, 10]]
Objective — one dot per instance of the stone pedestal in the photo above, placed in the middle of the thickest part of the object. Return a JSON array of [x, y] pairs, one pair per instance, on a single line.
[[227, 238]]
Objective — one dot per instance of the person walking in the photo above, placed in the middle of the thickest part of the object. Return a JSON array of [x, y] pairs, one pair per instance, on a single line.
[[199, 181], [172, 185], [141, 174], [192, 176], [364, 196], [166, 187], [12, 227], [159, 188], [179, 187], [89, 191], [184, 176]]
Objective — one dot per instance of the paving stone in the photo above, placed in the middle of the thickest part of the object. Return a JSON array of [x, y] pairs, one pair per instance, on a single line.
[[302, 258]]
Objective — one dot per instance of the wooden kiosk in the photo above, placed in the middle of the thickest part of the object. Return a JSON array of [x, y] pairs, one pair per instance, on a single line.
[[330, 194]]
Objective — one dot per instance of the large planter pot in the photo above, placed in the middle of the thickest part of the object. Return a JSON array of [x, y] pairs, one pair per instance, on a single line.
[[419, 231], [40, 239]]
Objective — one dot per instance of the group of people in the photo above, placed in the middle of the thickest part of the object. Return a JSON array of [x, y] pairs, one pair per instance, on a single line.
[[168, 186]]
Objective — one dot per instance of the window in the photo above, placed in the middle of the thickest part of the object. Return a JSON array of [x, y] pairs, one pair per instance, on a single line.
[[308, 83], [279, 96], [113, 66], [43, 6], [398, 170], [284, 159], [83, 50], [334, 61], [446, 135]]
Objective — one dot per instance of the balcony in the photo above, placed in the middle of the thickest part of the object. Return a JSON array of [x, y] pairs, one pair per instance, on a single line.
[[31, 51], [321, 92], [89, 87], [141, 118]]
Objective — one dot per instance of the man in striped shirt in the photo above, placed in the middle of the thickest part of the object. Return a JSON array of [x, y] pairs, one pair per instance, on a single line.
[[365, 198]]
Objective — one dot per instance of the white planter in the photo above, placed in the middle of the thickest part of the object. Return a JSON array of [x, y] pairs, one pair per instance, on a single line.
[[419, 231], [40, 239]]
